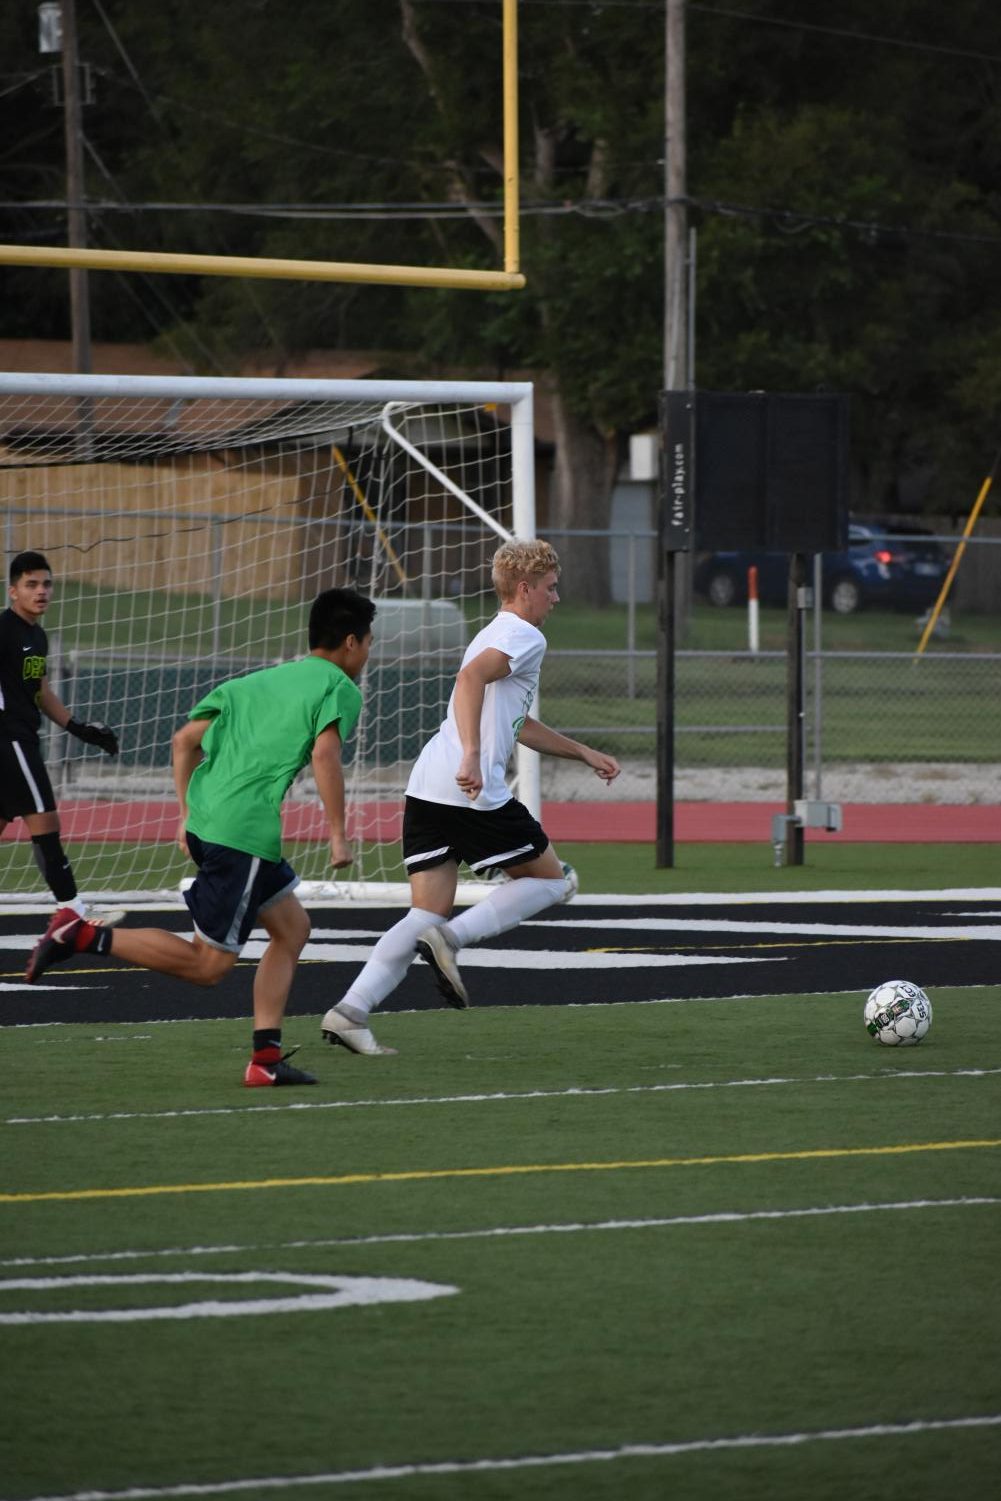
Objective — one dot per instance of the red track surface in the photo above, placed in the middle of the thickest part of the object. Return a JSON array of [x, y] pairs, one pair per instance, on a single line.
[[694, 823]]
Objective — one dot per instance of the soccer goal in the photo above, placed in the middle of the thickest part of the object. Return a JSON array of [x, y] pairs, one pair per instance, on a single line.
[[189, 524]]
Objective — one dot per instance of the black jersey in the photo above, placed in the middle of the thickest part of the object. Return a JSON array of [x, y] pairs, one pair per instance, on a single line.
[[23, 652]]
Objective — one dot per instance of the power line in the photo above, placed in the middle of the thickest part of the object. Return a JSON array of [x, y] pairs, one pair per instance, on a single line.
[[796, 219], [590, 208], [126, 59], [842, 32]]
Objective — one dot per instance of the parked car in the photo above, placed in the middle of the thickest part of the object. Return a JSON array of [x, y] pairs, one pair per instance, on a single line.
[[896, 567]]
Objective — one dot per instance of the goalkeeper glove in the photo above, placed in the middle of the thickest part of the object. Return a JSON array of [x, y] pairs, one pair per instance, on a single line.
[[95, 734]]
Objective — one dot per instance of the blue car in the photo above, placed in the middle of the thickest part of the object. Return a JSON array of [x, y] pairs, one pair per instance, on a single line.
[[895, 568]]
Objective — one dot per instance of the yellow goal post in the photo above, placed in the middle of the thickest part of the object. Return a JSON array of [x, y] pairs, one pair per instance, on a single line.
[[79, 257]]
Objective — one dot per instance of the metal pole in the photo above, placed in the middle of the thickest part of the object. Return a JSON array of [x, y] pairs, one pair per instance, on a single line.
[[676, 346], [631, 617], [795, 717], [818, 677], [676, 332], [76, 214]]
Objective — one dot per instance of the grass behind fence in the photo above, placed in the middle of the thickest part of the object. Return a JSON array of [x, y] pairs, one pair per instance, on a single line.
[[730, 710], [629, 868]]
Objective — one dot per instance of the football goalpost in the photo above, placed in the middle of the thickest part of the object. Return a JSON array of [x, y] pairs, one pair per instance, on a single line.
[[190, 523]]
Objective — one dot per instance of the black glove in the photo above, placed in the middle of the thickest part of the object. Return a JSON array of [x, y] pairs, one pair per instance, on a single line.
[[95, 734]]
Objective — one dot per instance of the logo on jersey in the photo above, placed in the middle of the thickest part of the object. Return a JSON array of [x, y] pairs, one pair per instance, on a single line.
[[33, 668]]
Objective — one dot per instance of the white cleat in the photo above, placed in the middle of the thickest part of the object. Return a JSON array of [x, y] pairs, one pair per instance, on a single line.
[[340, 1031], [434, 947], [109, 918]]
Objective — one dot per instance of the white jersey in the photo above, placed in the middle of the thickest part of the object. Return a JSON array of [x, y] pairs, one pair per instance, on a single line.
[[506, 703]]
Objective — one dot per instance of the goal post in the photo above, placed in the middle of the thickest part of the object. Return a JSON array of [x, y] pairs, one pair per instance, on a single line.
[[190, 522]]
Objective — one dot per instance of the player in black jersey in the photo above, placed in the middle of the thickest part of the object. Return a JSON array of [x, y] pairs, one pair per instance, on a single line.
[[25, 695]]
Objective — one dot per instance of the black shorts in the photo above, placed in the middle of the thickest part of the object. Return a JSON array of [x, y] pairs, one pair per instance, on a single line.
[[24, 782], [230, 889], [486, 839]]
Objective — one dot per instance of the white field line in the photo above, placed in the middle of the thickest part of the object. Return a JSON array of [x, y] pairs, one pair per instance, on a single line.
[[11, 906], [539, 1461], [583, 1091], [335, 1293], [762, 926], [501, 1232]]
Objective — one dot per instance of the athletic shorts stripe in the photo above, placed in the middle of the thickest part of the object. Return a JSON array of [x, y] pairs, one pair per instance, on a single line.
[[241, 911], [39, 801], [504, 858], [427, 856], [24, 782]]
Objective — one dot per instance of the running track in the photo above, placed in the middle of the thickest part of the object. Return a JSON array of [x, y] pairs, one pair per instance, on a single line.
[[694, 823]]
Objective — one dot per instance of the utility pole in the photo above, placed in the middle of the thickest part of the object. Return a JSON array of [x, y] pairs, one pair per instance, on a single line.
[[675, 209], [75, 211], [676, 378], [57, 33]]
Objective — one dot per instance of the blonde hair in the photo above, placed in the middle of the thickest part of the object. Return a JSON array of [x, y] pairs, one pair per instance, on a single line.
[[514, 561]]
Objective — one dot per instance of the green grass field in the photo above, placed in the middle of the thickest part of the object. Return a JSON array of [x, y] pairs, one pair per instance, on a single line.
[[146, 619], [705, 1249], [601, 867], [644, 1252]]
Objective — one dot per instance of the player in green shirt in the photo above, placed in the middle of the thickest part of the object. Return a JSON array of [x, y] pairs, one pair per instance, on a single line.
[[233, 762]]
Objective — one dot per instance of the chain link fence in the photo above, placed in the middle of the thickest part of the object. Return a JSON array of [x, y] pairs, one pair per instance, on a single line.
[[879, 725]]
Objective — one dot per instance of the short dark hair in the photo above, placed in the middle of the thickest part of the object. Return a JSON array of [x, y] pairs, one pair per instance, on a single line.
[[337, 614], [28, 562]]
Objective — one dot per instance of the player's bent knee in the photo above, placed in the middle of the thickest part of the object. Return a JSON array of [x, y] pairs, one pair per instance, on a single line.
[[212, 966]]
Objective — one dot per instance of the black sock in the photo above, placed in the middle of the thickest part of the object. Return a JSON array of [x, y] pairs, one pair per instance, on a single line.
[[267, 1039], [101, 941], [57, 873]]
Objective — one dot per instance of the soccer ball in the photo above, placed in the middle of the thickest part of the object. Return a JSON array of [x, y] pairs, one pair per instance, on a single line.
[[897, 1013]]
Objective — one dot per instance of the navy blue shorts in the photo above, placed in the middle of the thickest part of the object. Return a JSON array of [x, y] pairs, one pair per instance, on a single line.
[[230, 889], [24, 782], [487, 839]]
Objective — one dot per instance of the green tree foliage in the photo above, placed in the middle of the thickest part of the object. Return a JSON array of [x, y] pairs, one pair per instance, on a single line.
[[843, 175]]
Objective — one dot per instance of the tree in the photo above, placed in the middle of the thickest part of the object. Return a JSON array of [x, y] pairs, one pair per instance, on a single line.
[[844, 189]]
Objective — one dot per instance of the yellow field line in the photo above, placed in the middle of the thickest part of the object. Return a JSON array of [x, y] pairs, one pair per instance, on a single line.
[[513, 1170], [778, 943]]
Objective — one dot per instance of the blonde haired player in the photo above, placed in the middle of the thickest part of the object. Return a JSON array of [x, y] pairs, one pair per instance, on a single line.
[[459, 807]]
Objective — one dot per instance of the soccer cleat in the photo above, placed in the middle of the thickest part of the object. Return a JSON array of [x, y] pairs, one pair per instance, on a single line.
[[434, 947], [340, 1031], [109, 918], [570, 876], [60, 941], [262, 1075]]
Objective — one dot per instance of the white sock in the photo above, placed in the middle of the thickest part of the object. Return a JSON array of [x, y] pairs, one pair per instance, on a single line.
[[78, 906], [389, 962], [504, 908]]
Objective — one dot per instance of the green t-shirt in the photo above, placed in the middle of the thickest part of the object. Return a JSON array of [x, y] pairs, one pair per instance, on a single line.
[[262, 733]]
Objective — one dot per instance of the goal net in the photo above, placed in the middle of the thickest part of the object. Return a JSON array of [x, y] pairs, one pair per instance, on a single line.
[[190, 523]]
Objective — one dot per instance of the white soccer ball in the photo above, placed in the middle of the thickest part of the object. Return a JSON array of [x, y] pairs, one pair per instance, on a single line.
[[897, 1013]]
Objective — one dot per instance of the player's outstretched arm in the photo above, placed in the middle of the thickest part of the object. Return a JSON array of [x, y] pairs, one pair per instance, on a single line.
[[53, 708], [328, 771], [539, 737]]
